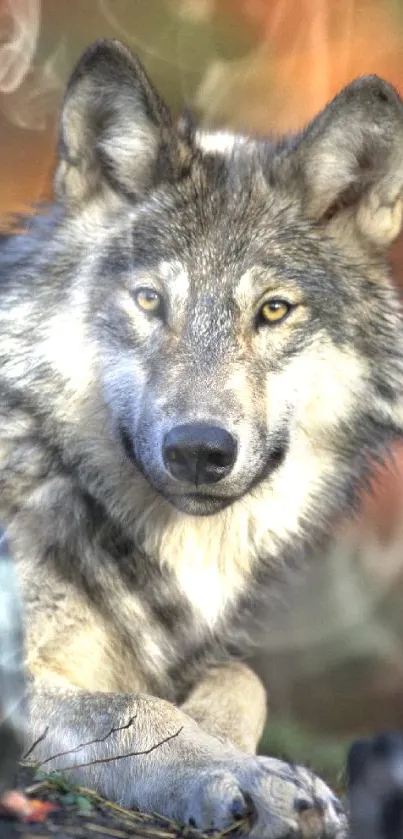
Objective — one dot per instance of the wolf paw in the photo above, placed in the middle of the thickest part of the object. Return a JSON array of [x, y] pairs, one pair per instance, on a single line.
[[274, 799], [215, 800]]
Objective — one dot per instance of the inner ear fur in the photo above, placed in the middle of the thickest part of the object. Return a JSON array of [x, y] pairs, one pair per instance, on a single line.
[[115, 129], [351, 158]]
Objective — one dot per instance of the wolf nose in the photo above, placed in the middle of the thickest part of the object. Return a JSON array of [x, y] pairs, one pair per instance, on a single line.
[[199, 453]]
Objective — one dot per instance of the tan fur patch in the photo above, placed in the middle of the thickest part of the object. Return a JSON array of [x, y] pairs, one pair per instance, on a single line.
[[89, 660], [329, 383]]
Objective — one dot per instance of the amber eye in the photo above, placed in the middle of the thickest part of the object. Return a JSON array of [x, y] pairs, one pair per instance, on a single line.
[[274, 311], [149, 301]]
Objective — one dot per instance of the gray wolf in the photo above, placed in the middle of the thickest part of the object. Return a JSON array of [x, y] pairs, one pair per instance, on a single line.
[[201, 356]]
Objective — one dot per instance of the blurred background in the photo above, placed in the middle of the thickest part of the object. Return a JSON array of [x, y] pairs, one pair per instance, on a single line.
[[334, 661]]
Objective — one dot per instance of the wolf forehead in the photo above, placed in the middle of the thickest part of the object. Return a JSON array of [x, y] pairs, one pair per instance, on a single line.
[[227, 238]]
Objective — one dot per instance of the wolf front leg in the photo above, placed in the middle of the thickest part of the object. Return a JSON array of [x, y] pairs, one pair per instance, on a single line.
[[230, 702], [144, 752]]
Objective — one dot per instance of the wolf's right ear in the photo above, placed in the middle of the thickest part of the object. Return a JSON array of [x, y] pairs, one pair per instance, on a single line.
[[115, 130]]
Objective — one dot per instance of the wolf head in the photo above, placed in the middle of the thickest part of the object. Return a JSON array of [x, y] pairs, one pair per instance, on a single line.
[[229, 297]]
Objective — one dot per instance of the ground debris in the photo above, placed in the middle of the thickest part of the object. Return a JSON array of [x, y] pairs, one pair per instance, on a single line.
[[83, 814]]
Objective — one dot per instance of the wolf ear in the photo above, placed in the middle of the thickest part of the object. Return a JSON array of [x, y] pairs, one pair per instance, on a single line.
[[351, 157], [115, 130]]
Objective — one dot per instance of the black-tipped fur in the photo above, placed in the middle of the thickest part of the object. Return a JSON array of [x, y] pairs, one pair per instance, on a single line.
[[146, 299]]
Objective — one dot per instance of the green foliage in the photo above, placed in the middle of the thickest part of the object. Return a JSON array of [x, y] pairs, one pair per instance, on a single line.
[[288, 740]]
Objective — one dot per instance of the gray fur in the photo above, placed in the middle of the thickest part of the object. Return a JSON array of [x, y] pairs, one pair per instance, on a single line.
[[143, 594]]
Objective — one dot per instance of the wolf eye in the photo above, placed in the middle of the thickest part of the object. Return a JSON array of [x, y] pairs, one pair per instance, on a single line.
[[149, 301], [274, 311]]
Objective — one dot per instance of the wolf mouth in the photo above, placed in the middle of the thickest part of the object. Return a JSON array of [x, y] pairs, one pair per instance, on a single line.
[[197, 504]]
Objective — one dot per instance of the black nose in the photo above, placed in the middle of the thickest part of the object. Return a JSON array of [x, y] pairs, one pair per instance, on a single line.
[[199, 453]]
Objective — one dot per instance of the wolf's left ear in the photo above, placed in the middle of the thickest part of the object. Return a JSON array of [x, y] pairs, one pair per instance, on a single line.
[[115, 130], [351, 161]]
